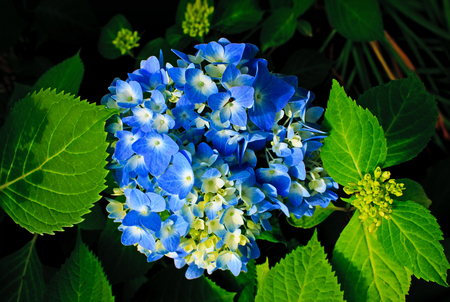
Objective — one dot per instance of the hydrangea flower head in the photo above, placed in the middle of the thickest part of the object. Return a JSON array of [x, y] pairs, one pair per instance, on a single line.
[[218, 149]]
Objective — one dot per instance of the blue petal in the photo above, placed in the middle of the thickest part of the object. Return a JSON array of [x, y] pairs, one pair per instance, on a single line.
[[151, 221], [194, 271]]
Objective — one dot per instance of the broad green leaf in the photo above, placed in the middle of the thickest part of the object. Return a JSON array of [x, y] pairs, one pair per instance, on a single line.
[[19, 92], [22, 275], [356, 143], [262, 270], [52, 160], [132, 286], [407, 113], [309, 66], [176, 38], [414, 192], [356, 20], [66, 76], [278, 28], [304, 27], [320, 214], [236, 16], [275, 235], [364, 269], [304, 275], [95, 220], [247, 282], [153, 48], [80, 278], [172, 285], [121, 263], [301, 6], [69, 21], [109, 33], [412, 238]]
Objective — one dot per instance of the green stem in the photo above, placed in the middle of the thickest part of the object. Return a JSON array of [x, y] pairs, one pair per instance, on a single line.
[[255, 29], [325, 44]]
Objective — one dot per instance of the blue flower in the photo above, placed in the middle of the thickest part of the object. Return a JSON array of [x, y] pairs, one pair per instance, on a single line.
[[198, 86], [128, 95], [179, 178]]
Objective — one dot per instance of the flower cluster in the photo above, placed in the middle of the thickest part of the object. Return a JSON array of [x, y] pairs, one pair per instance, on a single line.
[[373, 196], [206, 151], [126, 40], [196, 23]]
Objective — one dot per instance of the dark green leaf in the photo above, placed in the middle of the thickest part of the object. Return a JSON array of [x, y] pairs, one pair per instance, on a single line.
[[356, 144], [171, 285], [304, 27], [11, 24], [69, 21], [309, 66], [365, 271], [53, 158], [412, 238], [19, 92], [356, 20], [320, 214], [181, 10], [121, 263], [95, 220], [22, 276], [80, 278], [132, 286], [301, 6], [236, 16], [278, 28], [275, 234], [153, 48], [407, 113], [414, 192], [304, 275], [109, 33], [176, 38], [247, 282]]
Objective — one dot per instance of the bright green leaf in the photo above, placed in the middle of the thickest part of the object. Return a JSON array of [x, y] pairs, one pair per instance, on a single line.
[[301, 6], [320, 214], [414, 192], [172, 284], [412, 238], [304, 27], [278, 28], [365, 271], [304, 275], [309, 66], [356, 20], [275, 235], [66, 76], [109, 33], [121, 263], [262, 270], [52, 160], [153, 48], [407, 113], [22, 275], [176, 38], [356, 143], [80, 278], [236, 16]]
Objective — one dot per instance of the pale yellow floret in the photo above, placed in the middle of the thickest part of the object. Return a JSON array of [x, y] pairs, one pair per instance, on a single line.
[[126, 40]]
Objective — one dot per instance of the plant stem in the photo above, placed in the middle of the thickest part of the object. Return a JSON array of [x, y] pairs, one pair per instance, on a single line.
[[325, 44]]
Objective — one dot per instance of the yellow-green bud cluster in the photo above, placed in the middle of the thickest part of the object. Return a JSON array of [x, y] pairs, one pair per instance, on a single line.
[[126, 40], [373, 196], [196, 18]]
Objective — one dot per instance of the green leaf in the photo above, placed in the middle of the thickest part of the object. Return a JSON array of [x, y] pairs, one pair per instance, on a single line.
[[22, 276], [356, 143], [66, 76], [278, 28], [181, 10], [304, 27], [80, 278], [52, 160], [247, 282], [19, 92], [320, 214], [109, 33], [121, 263], [262, 271], [172, 285], [132, 286], [304, 275], [236, 16], [396, 104], [95, 220], [414, 192], [153, 48], [275, 235], [365, 271], [176, 38], [356, 20], [309, 66], [301, 6], [412, 238]]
